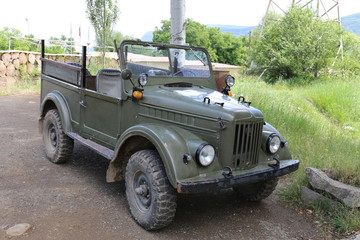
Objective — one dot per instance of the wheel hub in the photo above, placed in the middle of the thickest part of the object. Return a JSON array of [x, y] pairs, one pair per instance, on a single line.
[[142, 191], [52, 135]]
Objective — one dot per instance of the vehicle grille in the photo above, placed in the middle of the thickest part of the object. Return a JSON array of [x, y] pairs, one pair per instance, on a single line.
[[247, 142]]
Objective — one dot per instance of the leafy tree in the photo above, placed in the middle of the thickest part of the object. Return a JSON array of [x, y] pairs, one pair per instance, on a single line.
[[16, 43], [117, 36], [103, 15], [60, 45], [162, 34], [349, 63], [222, 47], [296, 45]]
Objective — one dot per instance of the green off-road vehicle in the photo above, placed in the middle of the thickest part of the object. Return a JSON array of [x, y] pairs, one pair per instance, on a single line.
[[163, 125]]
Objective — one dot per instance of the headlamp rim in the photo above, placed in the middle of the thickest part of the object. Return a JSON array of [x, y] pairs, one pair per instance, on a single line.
[[271, 136], [198, 151]]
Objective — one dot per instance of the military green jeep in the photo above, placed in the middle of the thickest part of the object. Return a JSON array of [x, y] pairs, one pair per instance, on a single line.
[[163, 125]]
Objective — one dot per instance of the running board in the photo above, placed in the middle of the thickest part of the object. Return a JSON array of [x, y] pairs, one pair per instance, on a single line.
[[103, 151]]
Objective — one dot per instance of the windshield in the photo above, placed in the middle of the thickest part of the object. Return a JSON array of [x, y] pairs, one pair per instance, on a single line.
[[166, 62]]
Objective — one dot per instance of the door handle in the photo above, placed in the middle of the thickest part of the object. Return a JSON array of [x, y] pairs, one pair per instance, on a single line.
[[82, 103]]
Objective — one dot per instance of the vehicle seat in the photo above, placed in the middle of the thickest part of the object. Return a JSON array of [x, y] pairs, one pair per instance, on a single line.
[[108, 82]]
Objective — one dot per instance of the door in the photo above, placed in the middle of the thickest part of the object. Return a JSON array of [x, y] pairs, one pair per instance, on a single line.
[[100, 118]]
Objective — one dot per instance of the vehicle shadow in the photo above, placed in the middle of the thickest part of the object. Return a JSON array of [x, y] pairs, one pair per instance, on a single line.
[[196, 213]]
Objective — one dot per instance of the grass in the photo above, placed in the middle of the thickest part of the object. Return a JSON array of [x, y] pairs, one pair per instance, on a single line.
[[23, 86], [26, 84], [321, 122]]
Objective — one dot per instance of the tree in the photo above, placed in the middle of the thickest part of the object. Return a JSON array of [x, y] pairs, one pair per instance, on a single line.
[[222, 47], [296, 45], [16, 43], [103, 15], [349, 64], [117, 36]]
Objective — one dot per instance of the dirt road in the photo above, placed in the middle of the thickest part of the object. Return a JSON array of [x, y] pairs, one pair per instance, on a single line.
[[73, 200]]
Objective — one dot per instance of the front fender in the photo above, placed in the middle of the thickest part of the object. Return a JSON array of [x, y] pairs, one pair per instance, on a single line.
[[57, 99], [172, 143]]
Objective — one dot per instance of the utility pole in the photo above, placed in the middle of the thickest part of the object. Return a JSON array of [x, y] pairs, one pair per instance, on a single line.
[[178, 31]]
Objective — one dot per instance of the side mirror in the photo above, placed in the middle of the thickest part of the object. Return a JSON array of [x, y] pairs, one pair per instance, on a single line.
[[126, 74]]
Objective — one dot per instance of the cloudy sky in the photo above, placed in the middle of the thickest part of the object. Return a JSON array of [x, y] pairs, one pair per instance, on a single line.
[[45, 18]]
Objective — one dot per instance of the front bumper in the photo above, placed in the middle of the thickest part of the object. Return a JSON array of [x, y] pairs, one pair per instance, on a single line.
[[216, 181]]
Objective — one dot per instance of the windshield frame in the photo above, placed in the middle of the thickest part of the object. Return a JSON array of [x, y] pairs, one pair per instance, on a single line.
[[161, 80]]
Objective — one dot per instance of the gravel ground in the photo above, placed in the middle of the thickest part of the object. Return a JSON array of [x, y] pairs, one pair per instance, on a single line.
[[73, 200]]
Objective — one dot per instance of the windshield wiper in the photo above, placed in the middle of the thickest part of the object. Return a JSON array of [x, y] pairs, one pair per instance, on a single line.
[[199, 58]]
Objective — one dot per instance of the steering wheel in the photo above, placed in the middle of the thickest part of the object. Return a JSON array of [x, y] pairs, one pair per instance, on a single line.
[[181, 73]]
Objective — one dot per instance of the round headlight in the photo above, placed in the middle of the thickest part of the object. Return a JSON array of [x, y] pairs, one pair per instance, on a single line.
[[229, 80], [143, 79], [205, 154], [273, 143]]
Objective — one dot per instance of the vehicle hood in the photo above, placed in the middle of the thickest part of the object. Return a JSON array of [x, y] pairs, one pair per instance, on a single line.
[[190, 100]]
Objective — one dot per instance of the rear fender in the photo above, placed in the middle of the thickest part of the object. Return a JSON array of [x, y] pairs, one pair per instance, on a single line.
[[56, 100]]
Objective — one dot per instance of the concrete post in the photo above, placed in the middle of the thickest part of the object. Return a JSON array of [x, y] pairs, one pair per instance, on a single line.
[[177, 12], [178, 32]]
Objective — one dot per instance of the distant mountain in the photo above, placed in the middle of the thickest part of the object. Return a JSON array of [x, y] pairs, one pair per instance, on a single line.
[[147, 37], [234, 30], [352, 23]]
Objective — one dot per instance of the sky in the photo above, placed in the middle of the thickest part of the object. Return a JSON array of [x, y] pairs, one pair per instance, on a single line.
[[46, 18]]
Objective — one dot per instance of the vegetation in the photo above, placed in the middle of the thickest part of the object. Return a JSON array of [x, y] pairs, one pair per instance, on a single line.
[[320, 120], [298, 45], [223, 47], [15, 43], [60, 45], [13, 39], [115, 36], [103, 15], [96, 63]]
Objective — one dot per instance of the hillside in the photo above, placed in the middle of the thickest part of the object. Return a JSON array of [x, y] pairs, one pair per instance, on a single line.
[[351, 24], [234, 30]]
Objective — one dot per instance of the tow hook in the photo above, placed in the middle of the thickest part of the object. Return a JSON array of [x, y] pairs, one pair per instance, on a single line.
[[275, 165], [228, 174]]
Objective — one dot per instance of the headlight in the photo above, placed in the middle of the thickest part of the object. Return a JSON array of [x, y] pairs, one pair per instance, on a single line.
[[273, 143], [205, 154], [143, 79], [229, 80]]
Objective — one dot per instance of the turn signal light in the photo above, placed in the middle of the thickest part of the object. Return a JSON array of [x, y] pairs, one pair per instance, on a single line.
[[230, 94], [137, 94]]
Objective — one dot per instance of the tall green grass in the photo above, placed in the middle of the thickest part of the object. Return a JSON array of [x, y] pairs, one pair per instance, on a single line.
[[321, 122]]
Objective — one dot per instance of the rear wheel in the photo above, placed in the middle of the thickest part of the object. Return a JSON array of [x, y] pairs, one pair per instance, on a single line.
[[58, 146], [256, 191], [151, 198]]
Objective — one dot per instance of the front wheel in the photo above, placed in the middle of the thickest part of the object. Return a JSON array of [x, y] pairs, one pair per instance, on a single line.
[[256, 191], [58, 146], [151, 198]]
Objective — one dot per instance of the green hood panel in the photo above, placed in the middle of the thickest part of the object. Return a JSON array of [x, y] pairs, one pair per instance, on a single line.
[[190, 101]]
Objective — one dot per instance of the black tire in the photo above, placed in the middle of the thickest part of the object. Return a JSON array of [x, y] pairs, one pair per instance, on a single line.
[[151, 198], [255, 192], [58, 146]]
